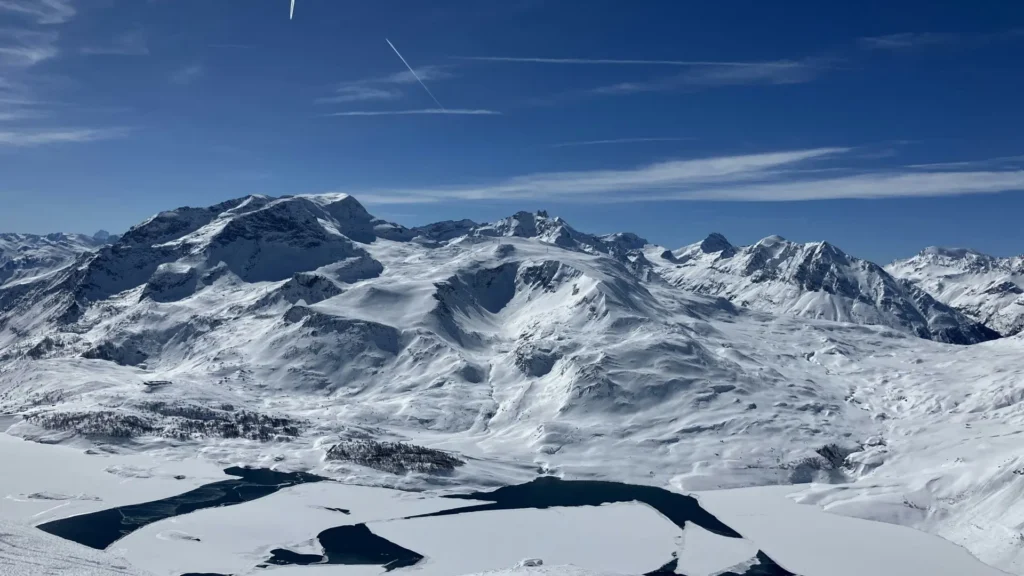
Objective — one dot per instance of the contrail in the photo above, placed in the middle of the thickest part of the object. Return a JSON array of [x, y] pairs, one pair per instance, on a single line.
[[616, 62], [292, 11], [413, 72]]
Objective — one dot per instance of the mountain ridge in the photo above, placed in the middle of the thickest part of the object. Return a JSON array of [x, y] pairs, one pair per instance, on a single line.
[[816, 280], [987, 288], [775, 275]]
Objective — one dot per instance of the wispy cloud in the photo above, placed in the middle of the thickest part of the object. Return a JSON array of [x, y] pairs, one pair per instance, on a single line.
[[128, 44], [905, 40], [988, 163], [771, 73], [383, 88], [14, 108], [25, 96], [187, 75], [700, 73], [604, 61], [14, 115], [42, 11], [865, 186], [661, 176], [31, 138], [26, 48], [914, 40], [781, 72], [788, 176], [425, 73], [451, 111], [18, 101], [618, 141], [360, 93]]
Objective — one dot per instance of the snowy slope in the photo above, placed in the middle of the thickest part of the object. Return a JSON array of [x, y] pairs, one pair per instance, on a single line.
[[263, 331], [988, 289], [814, 280], [26, 256], [25, 551]]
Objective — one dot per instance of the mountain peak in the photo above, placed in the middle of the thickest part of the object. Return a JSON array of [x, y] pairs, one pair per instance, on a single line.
[[533, 225], [716, 242], [954, 253]]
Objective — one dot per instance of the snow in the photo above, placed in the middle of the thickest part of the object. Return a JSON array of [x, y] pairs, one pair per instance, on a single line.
[[25, 551], [521, 346], [988, 289], [810, 542], [621, 538], [618, 538], [42, 483], [234, 540], [705, 554], [542, 571], [813, 280], [27, 257]]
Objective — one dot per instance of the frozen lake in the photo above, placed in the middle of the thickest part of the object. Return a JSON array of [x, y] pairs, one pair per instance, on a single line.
[[187, 517]]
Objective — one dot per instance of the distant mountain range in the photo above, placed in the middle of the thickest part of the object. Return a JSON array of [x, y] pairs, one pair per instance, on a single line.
[[26, 256], [989, 290], [814, 280]]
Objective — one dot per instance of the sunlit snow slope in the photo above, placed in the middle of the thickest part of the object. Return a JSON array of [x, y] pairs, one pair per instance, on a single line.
[[24, 257]]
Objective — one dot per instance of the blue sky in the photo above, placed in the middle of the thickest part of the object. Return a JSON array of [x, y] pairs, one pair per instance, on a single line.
[[882, 127]]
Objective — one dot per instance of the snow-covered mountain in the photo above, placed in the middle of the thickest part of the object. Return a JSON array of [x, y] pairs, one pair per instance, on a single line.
[[814, 280], [26, 256], [524, 330], [266, 331], [986, 288]]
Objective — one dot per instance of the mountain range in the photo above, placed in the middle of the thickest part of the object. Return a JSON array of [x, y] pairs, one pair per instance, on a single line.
[[987, 289], [815, 280], [265, 331]]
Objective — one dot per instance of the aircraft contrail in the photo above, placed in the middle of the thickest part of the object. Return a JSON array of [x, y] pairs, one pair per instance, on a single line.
[[292, 11], [413, 72]]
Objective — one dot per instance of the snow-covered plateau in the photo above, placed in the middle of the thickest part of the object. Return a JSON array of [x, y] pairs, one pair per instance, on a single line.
[[303, 334]]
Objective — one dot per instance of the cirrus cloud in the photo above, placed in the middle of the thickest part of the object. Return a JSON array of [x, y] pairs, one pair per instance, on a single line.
[[786, 176], [42, 11]]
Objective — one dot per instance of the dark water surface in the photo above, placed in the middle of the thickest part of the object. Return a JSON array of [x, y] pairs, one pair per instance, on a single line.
[[350, 545], [101, 529], [358, 545], [549, 491]]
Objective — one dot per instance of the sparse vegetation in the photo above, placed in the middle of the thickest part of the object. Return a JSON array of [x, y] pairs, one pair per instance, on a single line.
[[394, 457], [96, 423], [177, 421]]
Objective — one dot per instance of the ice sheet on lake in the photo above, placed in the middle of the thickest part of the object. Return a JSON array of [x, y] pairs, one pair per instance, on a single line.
[[809, 541], [705, 554], [234, 540], [624, 538]]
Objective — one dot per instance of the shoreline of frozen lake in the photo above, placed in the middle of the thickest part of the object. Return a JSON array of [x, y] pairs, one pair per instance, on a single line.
[[57, 482]]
